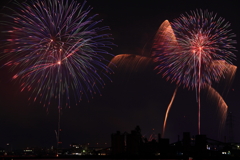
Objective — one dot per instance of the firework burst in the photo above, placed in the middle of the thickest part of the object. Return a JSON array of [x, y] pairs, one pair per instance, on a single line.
[[192, 45], [199, 39], [56, 47]]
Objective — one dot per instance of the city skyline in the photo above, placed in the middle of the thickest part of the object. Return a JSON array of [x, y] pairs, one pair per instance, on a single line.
[[134, 97]]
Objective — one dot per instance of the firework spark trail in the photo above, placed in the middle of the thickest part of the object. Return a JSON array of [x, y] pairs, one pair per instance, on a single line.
[[202, 38], [165, 37], [167, 112], [215, 97]]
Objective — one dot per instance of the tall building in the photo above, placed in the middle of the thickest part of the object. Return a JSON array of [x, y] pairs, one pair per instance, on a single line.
[[134, 141], [118, 143]]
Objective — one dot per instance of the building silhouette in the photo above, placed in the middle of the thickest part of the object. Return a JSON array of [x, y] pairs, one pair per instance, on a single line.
[[133, 144], [118, 143]]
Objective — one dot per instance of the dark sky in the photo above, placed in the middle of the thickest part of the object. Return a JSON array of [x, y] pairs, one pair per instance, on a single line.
[[135, 97]]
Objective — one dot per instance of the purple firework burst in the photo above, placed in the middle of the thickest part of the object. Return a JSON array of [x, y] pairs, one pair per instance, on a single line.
[[56, 48]]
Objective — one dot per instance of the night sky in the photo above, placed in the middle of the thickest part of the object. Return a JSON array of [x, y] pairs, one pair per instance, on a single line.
[[136, 96]]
